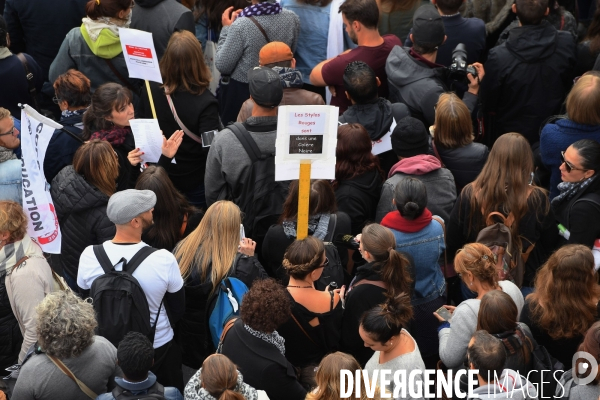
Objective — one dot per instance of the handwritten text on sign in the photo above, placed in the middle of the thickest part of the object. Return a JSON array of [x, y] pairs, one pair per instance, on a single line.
[[306, 133]]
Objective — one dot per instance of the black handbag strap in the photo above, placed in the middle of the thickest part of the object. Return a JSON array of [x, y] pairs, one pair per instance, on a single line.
[[30, 82], [119, 76], [333, 224], [246, 140], [260, 28]]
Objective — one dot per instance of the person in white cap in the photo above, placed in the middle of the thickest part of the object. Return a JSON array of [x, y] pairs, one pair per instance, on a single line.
[[158, 275]]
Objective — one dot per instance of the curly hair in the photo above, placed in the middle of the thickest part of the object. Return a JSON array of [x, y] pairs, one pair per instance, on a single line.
[[266, 306], [13, 220], [65, 324], [568, 275]]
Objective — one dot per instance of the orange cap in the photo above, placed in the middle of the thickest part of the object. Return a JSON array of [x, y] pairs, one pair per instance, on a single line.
[[274, 52]]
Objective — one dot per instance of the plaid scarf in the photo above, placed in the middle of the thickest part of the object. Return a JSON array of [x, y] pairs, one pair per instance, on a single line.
[[115, 136]]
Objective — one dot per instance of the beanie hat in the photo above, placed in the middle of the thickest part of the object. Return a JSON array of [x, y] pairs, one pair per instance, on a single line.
[[410, 138]]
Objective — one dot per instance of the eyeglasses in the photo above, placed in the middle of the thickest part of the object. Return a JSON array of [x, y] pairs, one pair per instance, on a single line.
[[568, 166], [10, 132], [326, 263]]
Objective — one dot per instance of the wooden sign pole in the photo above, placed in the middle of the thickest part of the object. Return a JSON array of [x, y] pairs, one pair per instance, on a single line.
[[303, 197]]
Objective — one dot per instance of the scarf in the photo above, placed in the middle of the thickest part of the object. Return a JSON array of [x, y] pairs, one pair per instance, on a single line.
[[394, 220], [264, 8], [194, 390], [271, 338], [6, 154], [317, 226], [4, 53], [69, 114], [94, 27], [115, 136], [569, 189], [13, 252], [290, 78]]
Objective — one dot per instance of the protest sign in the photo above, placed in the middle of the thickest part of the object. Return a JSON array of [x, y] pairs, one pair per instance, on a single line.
[[43, 228]]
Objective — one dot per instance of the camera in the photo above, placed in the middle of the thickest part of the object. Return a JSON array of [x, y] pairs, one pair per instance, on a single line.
[[459, 68]]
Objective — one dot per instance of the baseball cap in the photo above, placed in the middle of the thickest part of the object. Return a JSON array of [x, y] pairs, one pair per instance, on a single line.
[[274, 52], [265, 86], [428, 26]]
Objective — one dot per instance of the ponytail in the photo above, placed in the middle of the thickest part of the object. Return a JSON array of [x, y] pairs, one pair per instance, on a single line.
[[387, 319], [229, 394], [96, 9], [381, 243]]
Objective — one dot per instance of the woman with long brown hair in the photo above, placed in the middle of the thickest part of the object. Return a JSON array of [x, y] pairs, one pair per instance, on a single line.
[[358, 176], [174, 218], [505, 186], [80, 193], [453, 140], [183, 102], [386, 274], [475, 264], [565, 302], [219, 379], [212, 252]]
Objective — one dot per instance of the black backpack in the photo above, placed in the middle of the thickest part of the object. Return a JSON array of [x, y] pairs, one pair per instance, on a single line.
[[119, 300], [261, 198], [334, 271], [156, 392], [545, 372]]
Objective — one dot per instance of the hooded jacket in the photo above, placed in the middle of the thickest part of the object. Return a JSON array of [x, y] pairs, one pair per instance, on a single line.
[[510, 386], [81, 211], [526, 79], [162, 18], [417, 85], [358, 198], [439, 183]]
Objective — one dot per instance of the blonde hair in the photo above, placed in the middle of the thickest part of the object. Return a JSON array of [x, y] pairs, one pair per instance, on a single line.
[[583, 99], [328, 378], [214, 243], [4, 113], [13, 220]]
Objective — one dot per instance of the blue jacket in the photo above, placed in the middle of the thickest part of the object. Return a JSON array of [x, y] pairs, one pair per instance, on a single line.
[[141, 388], [15, 88], [425, 246], [557, 137]]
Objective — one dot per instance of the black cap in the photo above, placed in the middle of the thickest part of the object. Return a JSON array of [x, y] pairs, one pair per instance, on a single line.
[[410, 138], [428, 26], [265, 86]]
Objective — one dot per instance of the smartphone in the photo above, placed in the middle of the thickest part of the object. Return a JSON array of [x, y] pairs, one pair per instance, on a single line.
[[242, 232], [444, 313], [208, 137]]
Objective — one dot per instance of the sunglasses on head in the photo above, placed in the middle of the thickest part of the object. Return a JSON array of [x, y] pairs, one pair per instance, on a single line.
[[568, 166]]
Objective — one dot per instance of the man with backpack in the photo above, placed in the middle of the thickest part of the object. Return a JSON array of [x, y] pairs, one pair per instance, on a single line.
[[133, 285], [135, 356]]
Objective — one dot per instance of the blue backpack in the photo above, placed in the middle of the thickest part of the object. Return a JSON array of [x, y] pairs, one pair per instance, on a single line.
[[225, 304]]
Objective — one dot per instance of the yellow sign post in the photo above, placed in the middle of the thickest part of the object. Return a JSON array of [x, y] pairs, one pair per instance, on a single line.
[[151, 100], [303, 199]]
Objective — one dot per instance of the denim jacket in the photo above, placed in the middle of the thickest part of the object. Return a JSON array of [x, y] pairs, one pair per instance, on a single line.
[[425, 246]]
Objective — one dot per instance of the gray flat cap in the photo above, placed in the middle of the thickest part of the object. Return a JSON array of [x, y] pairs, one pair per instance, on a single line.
[[126, 205]]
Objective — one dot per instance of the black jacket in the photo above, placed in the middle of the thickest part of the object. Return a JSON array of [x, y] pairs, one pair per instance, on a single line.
[[62, 147], [377, 118], [262, 364], [15, 88], [276, 243], [10, 333], [199, 113], [162, 18], [465, 162], [526, 80], [81, 211], [417, 85], [580, 217], [358, 197], [192, 330], [38, 27]]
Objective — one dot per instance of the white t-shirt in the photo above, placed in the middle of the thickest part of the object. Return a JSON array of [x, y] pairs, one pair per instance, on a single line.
[[157, 274]]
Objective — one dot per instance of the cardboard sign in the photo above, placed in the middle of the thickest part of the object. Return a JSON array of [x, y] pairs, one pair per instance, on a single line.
[[140, 55]]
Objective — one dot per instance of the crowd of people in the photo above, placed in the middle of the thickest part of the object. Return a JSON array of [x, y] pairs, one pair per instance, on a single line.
[[471, 242]]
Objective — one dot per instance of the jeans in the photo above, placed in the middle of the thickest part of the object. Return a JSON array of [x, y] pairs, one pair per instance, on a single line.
[[10, 181]]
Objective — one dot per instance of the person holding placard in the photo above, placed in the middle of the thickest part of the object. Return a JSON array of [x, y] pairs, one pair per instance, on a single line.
[[95, 47], [184, 102]]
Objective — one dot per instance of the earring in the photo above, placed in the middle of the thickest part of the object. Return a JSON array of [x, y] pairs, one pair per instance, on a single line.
[[471, 284]]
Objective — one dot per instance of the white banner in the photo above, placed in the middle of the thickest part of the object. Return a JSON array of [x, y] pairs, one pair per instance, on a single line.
[[36, 132]]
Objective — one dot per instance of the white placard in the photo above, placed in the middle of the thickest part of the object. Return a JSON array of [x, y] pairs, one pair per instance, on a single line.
[[385, 142], [306, 133], [140, 55], [42, 227], [148, 138]]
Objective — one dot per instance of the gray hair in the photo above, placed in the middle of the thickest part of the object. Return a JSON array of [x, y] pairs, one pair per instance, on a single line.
[[65, 325]]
